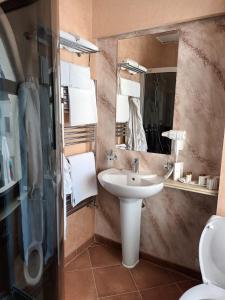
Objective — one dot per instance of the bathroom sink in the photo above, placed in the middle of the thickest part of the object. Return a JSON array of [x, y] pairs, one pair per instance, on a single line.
[[130, 186]]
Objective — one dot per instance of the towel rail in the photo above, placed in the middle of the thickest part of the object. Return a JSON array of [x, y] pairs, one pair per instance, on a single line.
[[79, 134], [76, 46], [90, 202], [121, 129], [129, 67]]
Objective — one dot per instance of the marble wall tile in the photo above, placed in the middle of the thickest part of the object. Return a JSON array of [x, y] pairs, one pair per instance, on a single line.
[[172, 220]]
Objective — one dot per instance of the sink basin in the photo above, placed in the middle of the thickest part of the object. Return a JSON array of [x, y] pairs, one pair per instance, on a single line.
[[130, 188], [128, 185]]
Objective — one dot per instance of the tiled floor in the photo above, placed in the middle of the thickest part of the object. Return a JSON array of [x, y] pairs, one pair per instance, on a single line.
[[98, 274]]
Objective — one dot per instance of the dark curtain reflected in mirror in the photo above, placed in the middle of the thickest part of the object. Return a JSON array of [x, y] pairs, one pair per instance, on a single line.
[[158, 110]]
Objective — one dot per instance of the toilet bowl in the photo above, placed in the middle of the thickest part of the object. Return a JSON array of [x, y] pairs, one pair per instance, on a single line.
[[33, 269], [212, 263]]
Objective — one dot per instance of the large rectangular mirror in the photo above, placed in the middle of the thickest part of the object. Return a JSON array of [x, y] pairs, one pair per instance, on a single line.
[[147, 68]]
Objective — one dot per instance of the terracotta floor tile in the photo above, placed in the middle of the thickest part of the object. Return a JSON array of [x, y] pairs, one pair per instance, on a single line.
[[187, 284], [113, 280], [162, 293], [103, 256], [129, 296], [79, 285], [179, 276], [147, 275], [80, 262]]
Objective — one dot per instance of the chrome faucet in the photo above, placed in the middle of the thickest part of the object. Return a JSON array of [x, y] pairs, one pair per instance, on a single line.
[[135, 165]]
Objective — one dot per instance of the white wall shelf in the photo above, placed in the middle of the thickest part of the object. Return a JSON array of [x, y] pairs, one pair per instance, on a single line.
[[195, 188]]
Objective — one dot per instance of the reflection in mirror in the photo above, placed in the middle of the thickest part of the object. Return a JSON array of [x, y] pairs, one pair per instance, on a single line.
[[146, 92]]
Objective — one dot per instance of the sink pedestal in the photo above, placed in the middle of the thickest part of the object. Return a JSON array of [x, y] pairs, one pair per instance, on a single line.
[[130, 218]]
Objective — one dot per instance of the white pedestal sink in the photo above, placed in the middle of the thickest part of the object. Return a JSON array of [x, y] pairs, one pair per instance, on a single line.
[[130, 188]]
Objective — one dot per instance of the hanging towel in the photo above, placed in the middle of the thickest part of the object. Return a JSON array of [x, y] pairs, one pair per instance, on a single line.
[[80, 77], [83, 108], [136, 134], [83, 174], [67, 177], [65, 73], [31, 184], [68, 189], [6, 162], [129, 88], [122, 109]]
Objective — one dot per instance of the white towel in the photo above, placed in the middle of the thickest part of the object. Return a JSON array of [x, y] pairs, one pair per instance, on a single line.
[[65, 73], [129, 88], [83, 108], [67, 177], [68, 36], [80, 77], [68, 189], [83, 173], [6, 161], [130, 62], [87, 44], [122, 109]]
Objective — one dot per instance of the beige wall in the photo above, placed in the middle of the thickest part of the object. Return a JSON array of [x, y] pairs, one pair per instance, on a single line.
[[147, 51], [75, 16], [112, 17]]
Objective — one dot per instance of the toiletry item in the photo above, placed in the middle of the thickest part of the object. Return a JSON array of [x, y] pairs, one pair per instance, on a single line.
[[178, 170], [202, 179], [212, 183], [188, 177], [182, 180]]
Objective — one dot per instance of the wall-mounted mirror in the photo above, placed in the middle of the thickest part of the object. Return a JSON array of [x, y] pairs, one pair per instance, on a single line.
[[147, 68]]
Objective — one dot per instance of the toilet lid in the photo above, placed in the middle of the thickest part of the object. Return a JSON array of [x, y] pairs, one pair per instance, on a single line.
[[212, 252]]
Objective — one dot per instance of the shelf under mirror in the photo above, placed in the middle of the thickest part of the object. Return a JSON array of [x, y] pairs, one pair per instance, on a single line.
[[195, 188]]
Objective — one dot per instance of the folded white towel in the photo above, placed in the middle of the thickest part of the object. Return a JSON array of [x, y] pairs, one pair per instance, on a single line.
[[83, 174], [83, 108], [87, 44], [130, 62], [68, 36], [122, 109], [129, 88], [142, 68], [121, 146]]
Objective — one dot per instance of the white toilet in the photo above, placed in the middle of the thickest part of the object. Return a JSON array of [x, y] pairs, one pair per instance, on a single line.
[[212, 263]]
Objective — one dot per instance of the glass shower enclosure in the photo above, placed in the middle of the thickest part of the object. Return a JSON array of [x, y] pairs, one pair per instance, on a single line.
[[30, 197]]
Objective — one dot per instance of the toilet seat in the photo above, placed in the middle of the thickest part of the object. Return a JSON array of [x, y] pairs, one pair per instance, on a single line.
[[34, 268], [212, 263], [212, 252], [204, 292]]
